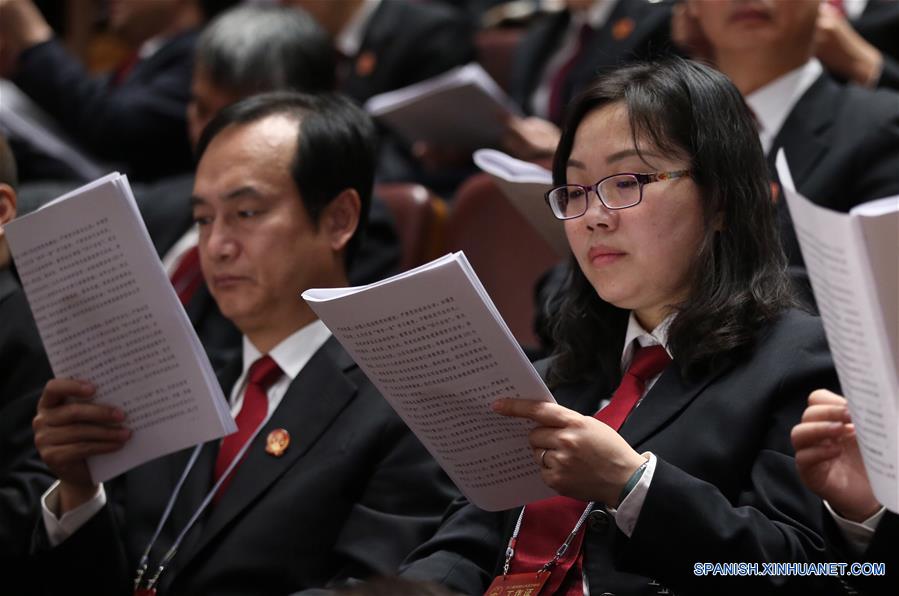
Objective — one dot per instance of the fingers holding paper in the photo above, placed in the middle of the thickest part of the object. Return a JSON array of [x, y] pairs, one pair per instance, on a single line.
[[828, 457], [68, 428], [585, 459]]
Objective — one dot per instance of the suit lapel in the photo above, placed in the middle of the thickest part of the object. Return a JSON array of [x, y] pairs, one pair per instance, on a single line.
[[667, 398], [314, 399], [805, 133]]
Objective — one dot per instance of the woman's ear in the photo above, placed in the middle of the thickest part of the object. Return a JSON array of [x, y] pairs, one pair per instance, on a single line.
[[341, 218]]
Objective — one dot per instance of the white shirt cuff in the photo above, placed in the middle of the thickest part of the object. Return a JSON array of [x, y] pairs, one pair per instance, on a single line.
[[629, 510], [858, 535], [60, 528]]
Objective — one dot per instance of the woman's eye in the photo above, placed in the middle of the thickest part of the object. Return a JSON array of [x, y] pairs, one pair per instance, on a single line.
[[202, 220]]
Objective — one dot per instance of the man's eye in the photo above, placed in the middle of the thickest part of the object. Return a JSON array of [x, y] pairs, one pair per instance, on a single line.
[[202, 220], [245, 213]]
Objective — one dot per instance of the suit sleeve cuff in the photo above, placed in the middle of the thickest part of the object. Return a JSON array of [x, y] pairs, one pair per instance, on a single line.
[[629, 510], [857, 535], [60, 528]]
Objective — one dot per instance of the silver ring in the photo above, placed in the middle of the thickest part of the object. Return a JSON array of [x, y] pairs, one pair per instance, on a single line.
[[543, 459]]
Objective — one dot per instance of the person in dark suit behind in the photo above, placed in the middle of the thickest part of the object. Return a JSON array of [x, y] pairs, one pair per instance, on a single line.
[[678, 293], [563, 52], [133, 117], [388, 45], [841, 141], [283, 184], [830, 464], [24, 371], [245, 51]]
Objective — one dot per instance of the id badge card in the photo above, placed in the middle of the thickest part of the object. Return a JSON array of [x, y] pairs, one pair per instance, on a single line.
[[518, 584]]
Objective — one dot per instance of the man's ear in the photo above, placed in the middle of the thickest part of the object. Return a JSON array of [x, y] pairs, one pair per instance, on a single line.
[[340, 218], [7, 204]]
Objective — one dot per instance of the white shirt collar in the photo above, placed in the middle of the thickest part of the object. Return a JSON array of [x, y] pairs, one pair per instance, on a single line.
[[350, 38], [293, 352], [772, 103], [635, 331], [854, 8]]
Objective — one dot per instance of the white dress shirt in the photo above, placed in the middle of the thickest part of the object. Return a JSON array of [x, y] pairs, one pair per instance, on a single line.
[[772, 103], [291, 355]]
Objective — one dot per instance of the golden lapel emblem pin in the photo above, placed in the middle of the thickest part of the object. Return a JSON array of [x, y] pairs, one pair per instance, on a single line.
[[623, 28], [277, 442]]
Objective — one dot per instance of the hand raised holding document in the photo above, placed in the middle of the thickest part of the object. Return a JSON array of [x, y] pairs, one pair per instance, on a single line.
[[107, 313]]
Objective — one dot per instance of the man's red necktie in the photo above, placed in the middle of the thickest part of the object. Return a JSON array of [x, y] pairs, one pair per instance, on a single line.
[[262, 374], [547, 523], [188, 275]]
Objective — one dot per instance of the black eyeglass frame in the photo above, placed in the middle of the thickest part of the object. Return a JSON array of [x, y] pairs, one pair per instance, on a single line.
[[642, 180]]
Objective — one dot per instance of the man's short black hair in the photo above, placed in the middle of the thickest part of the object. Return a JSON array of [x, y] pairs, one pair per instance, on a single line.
[[336, 147]]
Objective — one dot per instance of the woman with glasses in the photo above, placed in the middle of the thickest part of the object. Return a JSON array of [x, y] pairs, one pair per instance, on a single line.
[[679, 369]]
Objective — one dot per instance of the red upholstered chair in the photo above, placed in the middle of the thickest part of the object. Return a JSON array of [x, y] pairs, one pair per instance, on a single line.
[[421, 218], [508, 255]]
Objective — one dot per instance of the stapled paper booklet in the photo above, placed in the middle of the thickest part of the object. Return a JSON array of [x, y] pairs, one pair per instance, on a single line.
[[107, 313], [853, 263], [434, 344]]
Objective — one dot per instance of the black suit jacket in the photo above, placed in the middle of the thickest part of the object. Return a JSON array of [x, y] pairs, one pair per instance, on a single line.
[[140, 124], [842, 144], [23, 477], [879, 25], [725, 487], [404, 43], [650, 37], [882, 549], [353, 494]]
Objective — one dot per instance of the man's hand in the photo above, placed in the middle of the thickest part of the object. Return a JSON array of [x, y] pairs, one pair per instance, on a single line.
[[69, 428], [585, 459], [843, 51], [21, 26], [530, 138], [828, 458]]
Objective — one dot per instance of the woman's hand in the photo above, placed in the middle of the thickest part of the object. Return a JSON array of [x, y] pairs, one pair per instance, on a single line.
[[585, 459], [828, 458]]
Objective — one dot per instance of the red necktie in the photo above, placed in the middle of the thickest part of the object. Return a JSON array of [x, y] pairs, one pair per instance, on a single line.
[[262, 374], [558, 83], [188, 275], [547, 523], [124, 69]]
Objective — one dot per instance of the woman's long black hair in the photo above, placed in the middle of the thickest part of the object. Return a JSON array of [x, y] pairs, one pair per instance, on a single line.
[[738, 282]]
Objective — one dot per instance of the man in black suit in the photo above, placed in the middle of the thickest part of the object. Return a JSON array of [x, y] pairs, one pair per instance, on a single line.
[[234, 60], [133, 117], [386, 45], [334, 484], [841, 141], [25, 370], [564, 51]]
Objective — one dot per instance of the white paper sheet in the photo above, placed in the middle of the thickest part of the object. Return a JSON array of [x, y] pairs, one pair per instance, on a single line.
[[847, 282], [106, 312], [462, 108], [435, 346]]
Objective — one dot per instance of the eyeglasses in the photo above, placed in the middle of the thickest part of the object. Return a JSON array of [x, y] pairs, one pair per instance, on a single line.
[[618, 191]]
